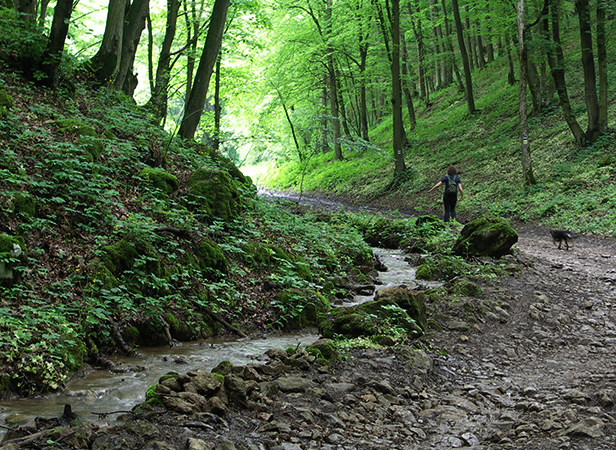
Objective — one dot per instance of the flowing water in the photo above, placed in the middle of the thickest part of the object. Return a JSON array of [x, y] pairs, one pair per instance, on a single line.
[[103, 391]]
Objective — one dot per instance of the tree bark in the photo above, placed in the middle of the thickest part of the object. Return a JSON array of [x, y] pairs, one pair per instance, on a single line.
[[405, 84], [525, 151], [511, 72], [217, 105], [421, 53], [27, 8], [159, 99], [590, 78], [470, 101], [107, 60], [602, 66], [396, 100], [213, 41], [134, 23], [556, 60], [57, 39]]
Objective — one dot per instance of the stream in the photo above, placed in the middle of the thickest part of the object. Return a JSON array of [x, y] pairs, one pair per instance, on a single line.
[[103, 391]]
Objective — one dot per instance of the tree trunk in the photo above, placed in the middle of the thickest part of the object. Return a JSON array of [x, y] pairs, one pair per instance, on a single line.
[[134, 23], [527, 169], [450, 60], [217, 105], [27, 8], [602, 65], [107, 60], [588, 63], [511, 72], [405, 84], [396, 98], [324, 145], [421, 52], [363, 107], [43, 13], [192, 35], [470, 101], [158, 100], [556, 60], [470, 42], [333, 107], [213, 41], [57, 38], [439, 47]]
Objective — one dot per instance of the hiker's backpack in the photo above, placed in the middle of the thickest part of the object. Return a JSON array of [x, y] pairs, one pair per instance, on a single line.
[[452, 186]]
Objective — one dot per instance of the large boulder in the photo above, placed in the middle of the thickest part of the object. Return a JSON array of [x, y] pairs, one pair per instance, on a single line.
[[487, 236], [376, 318]]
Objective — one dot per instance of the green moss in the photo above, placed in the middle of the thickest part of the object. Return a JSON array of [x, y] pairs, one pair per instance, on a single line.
[[219, 377], [214, 195], [223, 368], [6, 101], [212, 261], [151, 398], [160, 179], [24, 204], [424, 272], [119, 257], [130, 334], [74, 126], [167, 376], [467, 288]]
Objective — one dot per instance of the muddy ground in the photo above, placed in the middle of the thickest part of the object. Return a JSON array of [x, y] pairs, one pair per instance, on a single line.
[[528, 364]]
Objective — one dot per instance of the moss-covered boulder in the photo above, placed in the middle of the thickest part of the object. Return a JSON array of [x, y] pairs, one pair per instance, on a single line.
[[324, 350], [212, 261], [6, 103], [160, 179], [24, 204], [88, 138], [214, 194], [379, 317], [411, 301], [119, 257], [12, 255], [487, 236], [300, 309]]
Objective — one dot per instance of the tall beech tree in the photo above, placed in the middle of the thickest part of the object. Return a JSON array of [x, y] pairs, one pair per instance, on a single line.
[[468, 80], [106, 61], [160, 92], [198, 94], [527, 168], [134, 23], [57, 39]]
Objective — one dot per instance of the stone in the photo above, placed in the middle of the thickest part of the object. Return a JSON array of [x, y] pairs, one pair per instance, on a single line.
[[591, 427], [197, 444], [486, 236], [295, 384]]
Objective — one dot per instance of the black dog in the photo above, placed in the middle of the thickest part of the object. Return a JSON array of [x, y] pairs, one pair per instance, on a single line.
[[561, 236]]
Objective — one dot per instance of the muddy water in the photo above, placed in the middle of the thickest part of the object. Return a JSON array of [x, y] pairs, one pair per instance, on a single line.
[[103, 391]]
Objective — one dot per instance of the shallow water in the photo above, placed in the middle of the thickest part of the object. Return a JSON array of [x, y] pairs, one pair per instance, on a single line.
[[102, 391]]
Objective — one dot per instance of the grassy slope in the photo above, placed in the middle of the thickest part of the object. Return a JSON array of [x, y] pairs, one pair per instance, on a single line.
[[575, 187]]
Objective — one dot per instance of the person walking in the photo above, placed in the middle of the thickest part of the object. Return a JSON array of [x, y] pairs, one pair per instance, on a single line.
[[453, 184]]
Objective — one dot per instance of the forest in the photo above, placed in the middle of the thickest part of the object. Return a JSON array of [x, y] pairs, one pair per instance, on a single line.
[[136, 139]]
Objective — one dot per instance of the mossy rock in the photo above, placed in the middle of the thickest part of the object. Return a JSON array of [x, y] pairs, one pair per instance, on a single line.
[[486, 236], [382, 317], [424, 272], [130, 334], [180, 329], [466, 287], [101, 276], [6, 101], [119, 257], [74, 126], [325, 348], [24, 204], [213, 194], [223, 368], [411, 301], [212, 260], [160, 179], [302, 309]]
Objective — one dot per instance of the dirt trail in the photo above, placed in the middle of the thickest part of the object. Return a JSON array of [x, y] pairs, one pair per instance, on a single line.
[[549, 352]]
